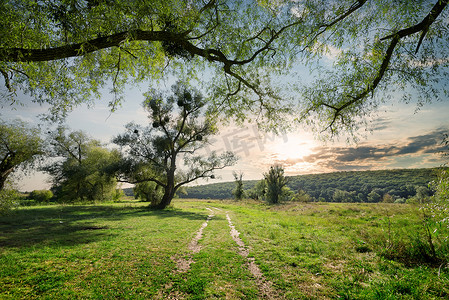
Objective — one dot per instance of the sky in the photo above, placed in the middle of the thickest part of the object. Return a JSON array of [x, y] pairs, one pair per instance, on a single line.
[[399, 137]]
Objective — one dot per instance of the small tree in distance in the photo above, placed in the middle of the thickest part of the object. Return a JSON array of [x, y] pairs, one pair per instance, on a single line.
[[238, 192], [275, 181], [177, 131]]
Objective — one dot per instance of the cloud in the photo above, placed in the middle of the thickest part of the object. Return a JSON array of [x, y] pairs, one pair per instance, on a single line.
[[381, 124], [419, 151], [428, 143], [288, 162]]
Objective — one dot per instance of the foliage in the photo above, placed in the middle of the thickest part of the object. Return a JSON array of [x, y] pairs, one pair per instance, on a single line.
[[151, 153], [148, 191], [258, 191], [20, 146], [238, 191], [439, 212], [65, 52], [276, 182], [301, 196], [344, 196], [8, 200], [82, 171], [436, 214], [118, 194], [41, 195], [399, 184], [428, 240]]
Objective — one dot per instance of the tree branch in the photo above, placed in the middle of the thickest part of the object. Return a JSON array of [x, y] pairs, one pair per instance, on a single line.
[[202, 175], [395, 38], [355, 6], [80, 49], [423, 25], [7, 82]]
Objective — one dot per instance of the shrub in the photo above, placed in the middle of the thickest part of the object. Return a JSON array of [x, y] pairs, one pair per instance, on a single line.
[[436, 214], [118, 195], [428, 240], [258, 191], [41, 195], [400, 200]]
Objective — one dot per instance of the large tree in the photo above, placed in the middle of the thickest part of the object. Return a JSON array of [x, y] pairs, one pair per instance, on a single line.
[[81, 169], [178, 130], [20, 146], [64, 51]]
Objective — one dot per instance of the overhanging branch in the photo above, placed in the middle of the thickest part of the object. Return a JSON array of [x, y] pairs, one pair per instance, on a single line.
[[423, 27]]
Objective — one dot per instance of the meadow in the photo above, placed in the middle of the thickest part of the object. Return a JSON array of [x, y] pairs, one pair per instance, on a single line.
[[216, 249]]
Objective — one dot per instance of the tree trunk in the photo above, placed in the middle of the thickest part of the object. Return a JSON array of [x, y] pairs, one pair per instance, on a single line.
[[3, 175], [167, 198], [2, 182], [169, 189]]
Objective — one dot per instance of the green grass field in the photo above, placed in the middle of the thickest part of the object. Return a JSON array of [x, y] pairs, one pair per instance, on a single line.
[[125, 251]]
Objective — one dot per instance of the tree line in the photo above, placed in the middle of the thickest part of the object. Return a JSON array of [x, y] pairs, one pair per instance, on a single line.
[[355, 186]]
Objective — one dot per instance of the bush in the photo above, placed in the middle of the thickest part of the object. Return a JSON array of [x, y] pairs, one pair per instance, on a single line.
[[436, 214], [118, 195], [400, 200], [41, 195], [428, 241]]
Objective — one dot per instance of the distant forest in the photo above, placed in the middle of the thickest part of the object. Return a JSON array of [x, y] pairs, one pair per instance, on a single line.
[[354, 186]]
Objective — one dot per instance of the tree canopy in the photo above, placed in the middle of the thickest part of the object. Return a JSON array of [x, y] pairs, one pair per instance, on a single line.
[[64, 52], [275, 182], [20, 146], [178, 131], [82, 169]]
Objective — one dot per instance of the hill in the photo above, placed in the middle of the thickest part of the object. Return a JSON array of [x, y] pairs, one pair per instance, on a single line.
[[353, 186]]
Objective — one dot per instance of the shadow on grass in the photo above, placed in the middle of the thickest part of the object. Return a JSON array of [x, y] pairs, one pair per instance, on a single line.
[[72, 225]]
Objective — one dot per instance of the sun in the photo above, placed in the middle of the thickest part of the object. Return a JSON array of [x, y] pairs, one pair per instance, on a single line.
[[292, 153]]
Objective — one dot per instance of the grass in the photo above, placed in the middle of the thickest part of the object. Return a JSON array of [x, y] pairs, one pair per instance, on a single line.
[[124, 250]]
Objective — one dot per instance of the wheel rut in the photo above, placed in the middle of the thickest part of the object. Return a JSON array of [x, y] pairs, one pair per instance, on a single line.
[[183, 264], [265, 287]]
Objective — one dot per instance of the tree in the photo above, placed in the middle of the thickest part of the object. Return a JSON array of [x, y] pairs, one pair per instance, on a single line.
[[302, 196], [63, 52], [387, 198], [343, 196], [238, 191], [374, 197], [82, 171], [20, 146], [422, 194], [177, 130], [275, 181]]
